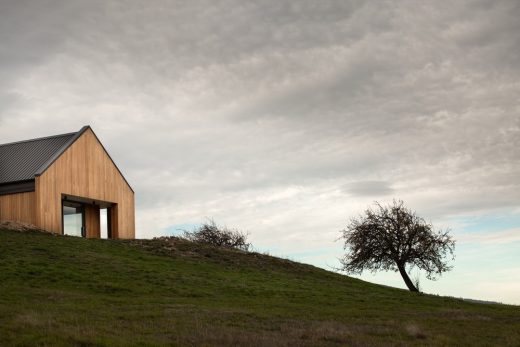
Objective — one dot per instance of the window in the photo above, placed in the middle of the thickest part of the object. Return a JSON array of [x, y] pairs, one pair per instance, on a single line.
[[73, 219]]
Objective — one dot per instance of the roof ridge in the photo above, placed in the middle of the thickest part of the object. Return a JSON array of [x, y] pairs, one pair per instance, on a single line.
[[37, 139]]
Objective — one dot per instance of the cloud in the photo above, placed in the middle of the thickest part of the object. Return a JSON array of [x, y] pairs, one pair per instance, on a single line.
[[368, 188], [500, 237]]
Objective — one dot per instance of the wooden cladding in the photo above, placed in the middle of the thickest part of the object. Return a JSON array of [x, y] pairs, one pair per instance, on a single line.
[[85, 170], [92, 221], [19, 207]]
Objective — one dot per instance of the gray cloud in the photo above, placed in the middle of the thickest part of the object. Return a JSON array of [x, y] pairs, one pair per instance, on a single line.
[[374, 189]]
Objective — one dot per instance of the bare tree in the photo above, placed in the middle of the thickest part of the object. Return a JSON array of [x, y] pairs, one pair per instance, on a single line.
[[392, 237], [212, 234]]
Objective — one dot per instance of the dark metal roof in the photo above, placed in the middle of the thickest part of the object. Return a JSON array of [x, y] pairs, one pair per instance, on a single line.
[[19, 161], [23, 160]]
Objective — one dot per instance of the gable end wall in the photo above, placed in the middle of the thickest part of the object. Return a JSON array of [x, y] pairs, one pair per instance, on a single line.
[[84, 170]]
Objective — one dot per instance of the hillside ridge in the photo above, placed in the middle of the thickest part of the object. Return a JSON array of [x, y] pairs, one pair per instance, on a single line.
[[61, 291]]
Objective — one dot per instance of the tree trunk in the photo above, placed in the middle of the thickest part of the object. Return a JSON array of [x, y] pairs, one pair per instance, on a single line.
[[406, 279]]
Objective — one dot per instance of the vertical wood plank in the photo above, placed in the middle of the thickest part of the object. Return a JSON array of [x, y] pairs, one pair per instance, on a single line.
[[19, 207], [92, 221]]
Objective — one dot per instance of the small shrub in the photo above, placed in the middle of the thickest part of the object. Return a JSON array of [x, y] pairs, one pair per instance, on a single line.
[[212, 234]]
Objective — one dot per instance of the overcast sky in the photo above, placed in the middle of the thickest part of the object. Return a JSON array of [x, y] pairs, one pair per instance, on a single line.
[[285, 118]]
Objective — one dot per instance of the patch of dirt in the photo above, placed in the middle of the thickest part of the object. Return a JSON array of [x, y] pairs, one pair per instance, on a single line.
[[415, 331]]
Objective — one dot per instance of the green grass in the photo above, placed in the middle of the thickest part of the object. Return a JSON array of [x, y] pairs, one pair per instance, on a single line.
[[61, 291]]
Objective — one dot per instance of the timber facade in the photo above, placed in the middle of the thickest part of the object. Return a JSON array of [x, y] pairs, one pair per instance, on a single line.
[[62, 183]]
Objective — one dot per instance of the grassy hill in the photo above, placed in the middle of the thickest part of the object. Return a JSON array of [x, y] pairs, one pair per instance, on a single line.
[[57, 290]]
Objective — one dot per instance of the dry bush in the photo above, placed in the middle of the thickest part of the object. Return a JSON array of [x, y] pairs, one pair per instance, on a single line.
[[212, 234]]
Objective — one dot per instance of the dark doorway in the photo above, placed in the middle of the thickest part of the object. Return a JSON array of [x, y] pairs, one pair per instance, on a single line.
[[88, 217]]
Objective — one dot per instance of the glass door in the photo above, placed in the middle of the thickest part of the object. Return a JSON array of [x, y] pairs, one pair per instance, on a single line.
[[73, 219]]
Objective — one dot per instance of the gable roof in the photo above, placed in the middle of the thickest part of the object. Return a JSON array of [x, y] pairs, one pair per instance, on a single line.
[[19, 161], [24, 160]]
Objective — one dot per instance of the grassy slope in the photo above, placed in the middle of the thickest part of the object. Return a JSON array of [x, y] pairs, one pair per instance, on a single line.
[[70, 291]]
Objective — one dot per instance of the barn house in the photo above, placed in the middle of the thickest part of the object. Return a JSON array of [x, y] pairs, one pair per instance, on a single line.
[[65, 184]]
